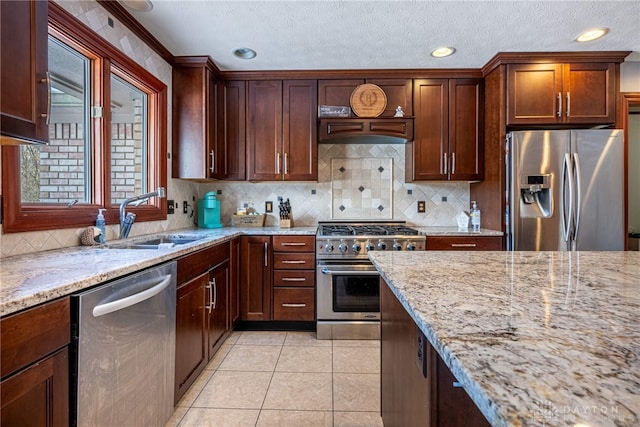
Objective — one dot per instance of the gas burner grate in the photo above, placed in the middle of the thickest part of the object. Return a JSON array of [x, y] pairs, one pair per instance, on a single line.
[[366, 230]]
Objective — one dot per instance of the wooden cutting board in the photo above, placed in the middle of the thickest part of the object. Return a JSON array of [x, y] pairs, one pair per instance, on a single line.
[[368, 100]]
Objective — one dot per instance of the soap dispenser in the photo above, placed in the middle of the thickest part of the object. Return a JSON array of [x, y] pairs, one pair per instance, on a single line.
[[100, 223]]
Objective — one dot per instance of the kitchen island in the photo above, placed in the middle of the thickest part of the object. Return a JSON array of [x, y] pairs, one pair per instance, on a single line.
[[535, 338]]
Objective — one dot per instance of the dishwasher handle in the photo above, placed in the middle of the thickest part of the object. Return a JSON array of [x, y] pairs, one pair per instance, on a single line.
[[110, 307]]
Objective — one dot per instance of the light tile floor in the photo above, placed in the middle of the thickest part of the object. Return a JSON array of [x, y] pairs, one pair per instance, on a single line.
[[285, 379]]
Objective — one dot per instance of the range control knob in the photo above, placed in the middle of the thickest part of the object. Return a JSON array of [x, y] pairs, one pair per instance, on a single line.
[[356, 247], [411, 246], [397, 246], [370, 246], [342, 247], [382, 245], [328, 247]]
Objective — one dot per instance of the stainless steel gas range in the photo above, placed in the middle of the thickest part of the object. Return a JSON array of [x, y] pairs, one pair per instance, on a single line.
[[348, 286]]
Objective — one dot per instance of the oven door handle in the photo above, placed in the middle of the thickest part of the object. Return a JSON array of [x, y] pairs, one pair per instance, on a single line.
[[358, 273]]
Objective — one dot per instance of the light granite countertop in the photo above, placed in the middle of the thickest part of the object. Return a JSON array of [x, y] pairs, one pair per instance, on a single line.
[[31, 279], [536, 338]]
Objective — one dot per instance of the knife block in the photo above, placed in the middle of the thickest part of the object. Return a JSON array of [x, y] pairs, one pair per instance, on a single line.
[[287, 223]]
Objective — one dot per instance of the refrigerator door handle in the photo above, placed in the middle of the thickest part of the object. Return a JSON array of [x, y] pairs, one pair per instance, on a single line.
[[567, 172], [578, 204]]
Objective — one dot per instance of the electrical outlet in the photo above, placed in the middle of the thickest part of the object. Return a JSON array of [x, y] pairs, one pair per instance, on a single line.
[[422, 206], [170, 207], [185, 207], [268, 207]]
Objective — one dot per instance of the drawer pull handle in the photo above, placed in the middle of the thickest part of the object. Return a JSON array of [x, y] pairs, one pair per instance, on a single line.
[[294, 262], [293, 279], [294, 244], [463, 245], [294, 305], [458, 384]]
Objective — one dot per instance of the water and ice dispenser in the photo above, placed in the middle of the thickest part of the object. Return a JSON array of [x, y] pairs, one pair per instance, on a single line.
[[536, 196]]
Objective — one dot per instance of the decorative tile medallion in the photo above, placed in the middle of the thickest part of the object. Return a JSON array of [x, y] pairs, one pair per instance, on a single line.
[[362, 188]]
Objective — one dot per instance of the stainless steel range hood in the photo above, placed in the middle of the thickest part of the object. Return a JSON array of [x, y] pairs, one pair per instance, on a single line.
[[379, 130]]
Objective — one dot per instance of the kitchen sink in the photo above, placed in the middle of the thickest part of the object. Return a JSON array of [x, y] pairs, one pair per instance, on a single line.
[[159, 242]]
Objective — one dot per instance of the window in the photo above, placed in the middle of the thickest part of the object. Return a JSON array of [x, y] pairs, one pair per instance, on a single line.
[[107, 138]]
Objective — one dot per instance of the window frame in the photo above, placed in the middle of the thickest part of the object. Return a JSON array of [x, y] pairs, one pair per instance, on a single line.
[[19, 217]]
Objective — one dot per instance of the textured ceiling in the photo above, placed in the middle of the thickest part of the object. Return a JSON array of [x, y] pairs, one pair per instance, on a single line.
[[298, 35]]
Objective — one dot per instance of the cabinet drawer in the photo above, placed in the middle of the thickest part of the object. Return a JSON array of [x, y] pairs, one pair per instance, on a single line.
[[192, 265], [477, 243], [294, 243], [294, 261], [293, 304], [32, 334], [294, 278]]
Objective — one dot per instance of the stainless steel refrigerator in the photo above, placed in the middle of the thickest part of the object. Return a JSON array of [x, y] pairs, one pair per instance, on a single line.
[[565, 190]]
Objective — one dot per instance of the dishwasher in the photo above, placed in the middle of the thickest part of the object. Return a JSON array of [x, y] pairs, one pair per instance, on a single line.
[[123, 358]]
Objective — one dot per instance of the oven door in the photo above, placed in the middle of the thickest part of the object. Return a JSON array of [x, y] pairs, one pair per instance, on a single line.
[[347, 290]]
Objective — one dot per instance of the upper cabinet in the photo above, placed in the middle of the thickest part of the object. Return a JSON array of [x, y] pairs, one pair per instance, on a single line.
[[448, 131], [282, 130], [338, 93], [208, 122], [24, 77], [553, 93]]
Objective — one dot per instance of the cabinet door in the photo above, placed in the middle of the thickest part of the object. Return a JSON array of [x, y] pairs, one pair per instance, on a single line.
[[399, 93], [255, 282], [300, 130], [234, 283], [231, 139], [264, 130], [39, 394], [23, 70], [405, 391], [218, 305], [191, 336], [589, 90], [534, 94], [193, 89], [337, 92], [466, 144], [427, 154]]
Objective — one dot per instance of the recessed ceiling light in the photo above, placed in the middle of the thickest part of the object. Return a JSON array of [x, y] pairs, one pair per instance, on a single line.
[[139, 5], [592, 34], [441, 52], [245, 53]]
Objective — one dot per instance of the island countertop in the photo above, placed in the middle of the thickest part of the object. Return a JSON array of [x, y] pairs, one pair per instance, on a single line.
[[536, 338]]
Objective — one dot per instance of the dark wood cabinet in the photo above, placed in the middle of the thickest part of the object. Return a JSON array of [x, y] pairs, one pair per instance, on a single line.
[[231, 140], [294, 278], [218, 305], [282, 130], [194, 118], [448, 131], [555, 93], [208, 122], [35, 366], [405, 392], [202, 317], [338, 93], [338, 127], [417, 388], [191, 333], [234, 282], [24, 77], [464, 243], [255, 279]]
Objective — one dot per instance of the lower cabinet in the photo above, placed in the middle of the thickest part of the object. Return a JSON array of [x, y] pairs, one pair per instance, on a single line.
[[417, 388], [255, 278], [464, 243], [202, 311], [35, 366]]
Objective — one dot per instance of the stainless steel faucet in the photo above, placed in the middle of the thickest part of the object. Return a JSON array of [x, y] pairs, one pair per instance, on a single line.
[[127, 219]]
